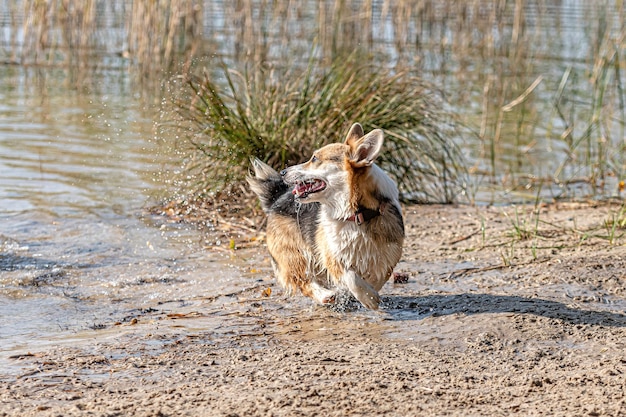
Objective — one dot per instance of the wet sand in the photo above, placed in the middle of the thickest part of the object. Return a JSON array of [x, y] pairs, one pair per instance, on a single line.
[[502, 315]]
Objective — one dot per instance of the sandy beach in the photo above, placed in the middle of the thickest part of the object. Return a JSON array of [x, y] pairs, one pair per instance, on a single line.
[[505, 313]]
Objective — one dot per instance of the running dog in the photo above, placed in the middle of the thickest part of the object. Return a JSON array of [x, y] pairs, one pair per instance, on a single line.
[[334, 221]]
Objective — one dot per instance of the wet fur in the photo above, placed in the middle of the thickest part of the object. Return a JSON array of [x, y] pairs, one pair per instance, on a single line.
[[314, 245]]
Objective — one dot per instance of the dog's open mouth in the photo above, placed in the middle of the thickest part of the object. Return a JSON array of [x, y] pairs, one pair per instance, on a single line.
[[303, 189]]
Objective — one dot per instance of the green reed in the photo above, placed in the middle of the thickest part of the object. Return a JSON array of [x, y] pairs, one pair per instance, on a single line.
[[282, 116]]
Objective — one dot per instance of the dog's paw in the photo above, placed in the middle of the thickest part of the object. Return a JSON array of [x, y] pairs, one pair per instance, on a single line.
[[362, 290], [323, 295], [330, 299], [370, 300]]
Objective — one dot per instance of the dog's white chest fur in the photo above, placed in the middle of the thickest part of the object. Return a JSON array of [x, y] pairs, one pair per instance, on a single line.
[[356, 250]]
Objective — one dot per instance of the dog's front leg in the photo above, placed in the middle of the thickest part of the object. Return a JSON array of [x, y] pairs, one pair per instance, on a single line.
[[362, 290]]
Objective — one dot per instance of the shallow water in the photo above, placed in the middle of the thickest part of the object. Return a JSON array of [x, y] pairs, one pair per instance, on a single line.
[[77, 251]]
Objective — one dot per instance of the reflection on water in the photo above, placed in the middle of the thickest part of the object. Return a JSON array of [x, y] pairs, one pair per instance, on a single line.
[[76, 252], [70, 150], [562, 138]]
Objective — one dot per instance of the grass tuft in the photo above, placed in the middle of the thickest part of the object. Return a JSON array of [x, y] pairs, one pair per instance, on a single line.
[[281, 117]]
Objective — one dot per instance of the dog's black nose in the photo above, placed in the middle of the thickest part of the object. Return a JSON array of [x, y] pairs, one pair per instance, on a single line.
[[283, 172]]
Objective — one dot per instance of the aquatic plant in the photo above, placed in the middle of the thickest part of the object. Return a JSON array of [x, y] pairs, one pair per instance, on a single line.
[[282, 116]]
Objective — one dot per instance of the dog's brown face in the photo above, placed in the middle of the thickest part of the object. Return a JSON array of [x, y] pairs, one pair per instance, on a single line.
[[324, 172], [327, 175]]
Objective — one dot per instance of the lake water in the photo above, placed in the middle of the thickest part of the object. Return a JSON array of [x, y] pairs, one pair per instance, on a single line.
[[81, 159], [77, 249]]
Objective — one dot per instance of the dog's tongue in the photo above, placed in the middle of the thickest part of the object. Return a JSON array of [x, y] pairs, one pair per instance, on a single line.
[[300, 189]]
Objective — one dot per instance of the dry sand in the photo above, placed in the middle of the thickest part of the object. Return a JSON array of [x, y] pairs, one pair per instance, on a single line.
[[493, 321]]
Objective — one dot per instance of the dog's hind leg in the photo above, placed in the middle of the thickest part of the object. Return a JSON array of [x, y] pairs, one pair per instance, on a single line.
[[289, 254], [363, 291]]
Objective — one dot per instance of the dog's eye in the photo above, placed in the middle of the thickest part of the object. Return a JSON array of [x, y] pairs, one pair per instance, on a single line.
[[314, 158]]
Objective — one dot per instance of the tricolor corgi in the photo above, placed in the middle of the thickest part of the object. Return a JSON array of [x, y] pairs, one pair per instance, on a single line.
[[334, 221]]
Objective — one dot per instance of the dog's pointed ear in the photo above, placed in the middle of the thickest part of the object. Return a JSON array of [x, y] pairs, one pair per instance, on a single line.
[[366, 150], [354, 134]]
